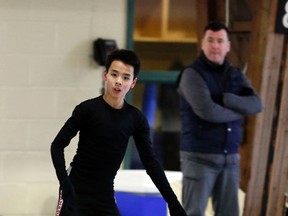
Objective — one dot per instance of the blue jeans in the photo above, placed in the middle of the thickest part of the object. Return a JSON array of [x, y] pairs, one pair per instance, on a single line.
[[214, 175]]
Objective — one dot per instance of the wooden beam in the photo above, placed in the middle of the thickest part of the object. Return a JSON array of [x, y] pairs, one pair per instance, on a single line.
[[241, 26], [279, 171], [266, 58], [256, 54], [264, 122], [202, 19]]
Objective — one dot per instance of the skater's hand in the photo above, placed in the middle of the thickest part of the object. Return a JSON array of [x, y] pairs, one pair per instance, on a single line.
[[176, 209]]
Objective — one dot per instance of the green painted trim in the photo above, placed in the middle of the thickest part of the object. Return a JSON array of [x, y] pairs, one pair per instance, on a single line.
[[158, 76], [130, 46]]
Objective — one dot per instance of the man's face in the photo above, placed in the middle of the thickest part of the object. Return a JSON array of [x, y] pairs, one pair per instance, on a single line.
[[215, 45], [119, 79]]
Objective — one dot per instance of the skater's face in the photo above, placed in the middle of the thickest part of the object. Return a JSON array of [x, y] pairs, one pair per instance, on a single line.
[[119, 79]]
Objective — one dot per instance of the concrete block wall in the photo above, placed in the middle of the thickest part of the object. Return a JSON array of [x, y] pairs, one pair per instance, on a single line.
[[45, 70]]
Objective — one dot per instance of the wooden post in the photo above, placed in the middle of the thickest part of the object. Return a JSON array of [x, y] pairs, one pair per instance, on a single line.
[[266, 58], [256, 57], [279, 171], [264, 123]]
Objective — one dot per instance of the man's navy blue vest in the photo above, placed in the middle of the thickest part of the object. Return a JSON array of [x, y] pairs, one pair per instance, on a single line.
[[198, 135]]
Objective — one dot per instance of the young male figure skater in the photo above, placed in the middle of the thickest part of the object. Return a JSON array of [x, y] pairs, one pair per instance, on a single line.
[[105, 124]]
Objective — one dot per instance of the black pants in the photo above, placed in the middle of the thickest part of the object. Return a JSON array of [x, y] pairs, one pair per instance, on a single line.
[[87, 204]]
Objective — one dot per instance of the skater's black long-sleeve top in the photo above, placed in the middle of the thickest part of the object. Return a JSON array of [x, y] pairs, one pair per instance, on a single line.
[[104, 133]]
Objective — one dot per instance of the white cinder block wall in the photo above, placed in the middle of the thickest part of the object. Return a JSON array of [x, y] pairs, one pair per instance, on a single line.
[[45, 70]]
